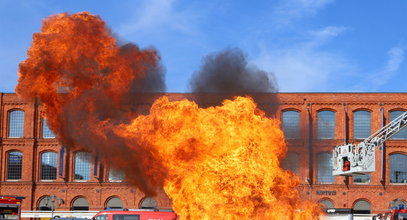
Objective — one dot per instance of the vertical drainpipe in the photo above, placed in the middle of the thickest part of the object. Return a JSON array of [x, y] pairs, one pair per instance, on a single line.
[[310, 151], [383, 147], [345, 127], [34, 161]]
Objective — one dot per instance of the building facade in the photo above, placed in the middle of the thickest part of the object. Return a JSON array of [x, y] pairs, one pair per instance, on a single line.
[[35, 165]]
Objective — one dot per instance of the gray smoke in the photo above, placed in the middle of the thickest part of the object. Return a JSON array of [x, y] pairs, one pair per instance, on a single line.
[[228, 73]]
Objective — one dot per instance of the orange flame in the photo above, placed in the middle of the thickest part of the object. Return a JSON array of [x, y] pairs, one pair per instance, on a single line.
[[215, 163], [222, 162]]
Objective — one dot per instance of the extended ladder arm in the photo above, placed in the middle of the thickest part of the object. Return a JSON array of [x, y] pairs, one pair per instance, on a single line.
[[359, 159]]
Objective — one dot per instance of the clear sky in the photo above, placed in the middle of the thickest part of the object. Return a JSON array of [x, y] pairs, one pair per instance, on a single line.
[[310, 45]]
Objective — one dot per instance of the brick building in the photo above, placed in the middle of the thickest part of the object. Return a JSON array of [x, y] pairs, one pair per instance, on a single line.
[[35, 165]]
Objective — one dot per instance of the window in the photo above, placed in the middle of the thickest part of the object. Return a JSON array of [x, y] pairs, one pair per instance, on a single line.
[[361, 124], [290, 162], [115, 175], [148, 203], [398, 168], [46, 132], [403, 133], [362, 178], [291, 124], [16, 124], [326, 125], [101, 217], [45, 203], [82, 165], [325, 168], [80, 204], [114, 203], [361, 207], [327, 204], [126, 217], [49, 166], [14, 165]]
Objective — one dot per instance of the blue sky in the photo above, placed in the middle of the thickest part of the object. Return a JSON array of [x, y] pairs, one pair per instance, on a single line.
[[310, 45]]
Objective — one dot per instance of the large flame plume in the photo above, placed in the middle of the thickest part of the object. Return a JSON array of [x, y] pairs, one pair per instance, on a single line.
[[215, 163], [221, 162]]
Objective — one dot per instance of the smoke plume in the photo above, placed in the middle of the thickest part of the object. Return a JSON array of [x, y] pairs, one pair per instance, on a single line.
[[229, 74], [85, 79], [214, 163]]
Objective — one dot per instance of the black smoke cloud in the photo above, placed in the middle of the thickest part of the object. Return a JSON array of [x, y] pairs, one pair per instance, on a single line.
[[228, 73]]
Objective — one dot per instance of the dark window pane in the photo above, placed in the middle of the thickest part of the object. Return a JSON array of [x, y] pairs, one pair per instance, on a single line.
[[46, 132], [126, 217], [291, 124], [326, 125], [398, 168], [362, 178], [114, 203], [115, 175], [82, 166], [16, 124], [80, 204], [14, 165], [362, 207], [49, 166], [325, 168], [327, 204], [290, 162], [149, 203], [403, 133], [361, 124]]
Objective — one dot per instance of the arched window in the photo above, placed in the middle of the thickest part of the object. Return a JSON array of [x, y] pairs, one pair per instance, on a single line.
[[325, 168], [361, 207], [398, 168], [80, 204], [326, 125], [49, 166], [46, 132], [148, 203], [82, 165], [114, 203], [290, 162], [45, 204], [327, 204], [16, 124], [403, 133], [291, 124], [115, 175], [14, 165], [361, 124]]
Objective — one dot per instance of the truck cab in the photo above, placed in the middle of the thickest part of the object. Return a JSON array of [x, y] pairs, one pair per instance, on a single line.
[[10, 207]]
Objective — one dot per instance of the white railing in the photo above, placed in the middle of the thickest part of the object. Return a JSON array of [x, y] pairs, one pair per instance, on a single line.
[[62, 214]]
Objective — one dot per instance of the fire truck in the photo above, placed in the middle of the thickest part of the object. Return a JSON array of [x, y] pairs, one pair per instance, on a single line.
[[136, 214], [396, 213], [358, 159], [10, 207]]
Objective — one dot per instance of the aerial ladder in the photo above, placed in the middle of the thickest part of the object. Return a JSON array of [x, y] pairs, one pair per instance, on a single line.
[[356, 159]]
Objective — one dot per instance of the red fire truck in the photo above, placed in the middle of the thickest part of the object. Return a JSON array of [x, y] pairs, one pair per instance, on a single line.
[[138, 214], [10, 207]]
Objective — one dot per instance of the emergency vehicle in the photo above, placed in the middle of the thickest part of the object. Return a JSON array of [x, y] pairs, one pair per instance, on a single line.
[[10, 207], [137, 214], [396, 213]]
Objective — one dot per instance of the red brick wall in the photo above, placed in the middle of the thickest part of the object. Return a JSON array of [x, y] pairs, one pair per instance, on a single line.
[[98, 190]]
